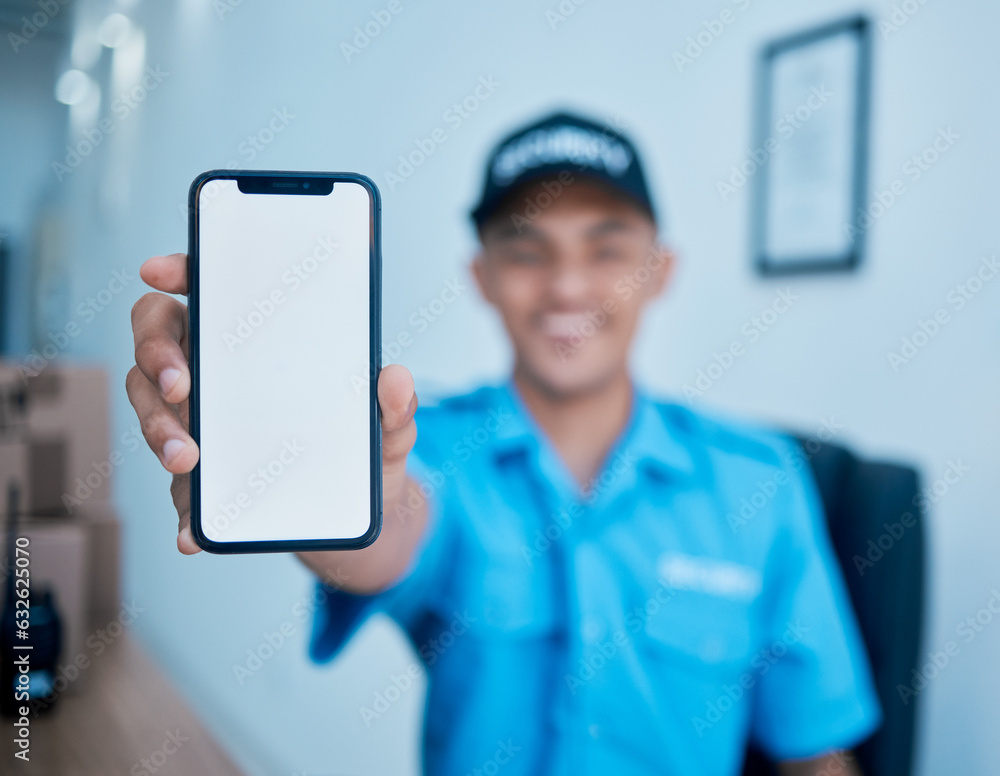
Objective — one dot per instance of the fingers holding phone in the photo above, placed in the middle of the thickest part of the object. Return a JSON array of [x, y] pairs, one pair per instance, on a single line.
[[398, 402], [159, 383]]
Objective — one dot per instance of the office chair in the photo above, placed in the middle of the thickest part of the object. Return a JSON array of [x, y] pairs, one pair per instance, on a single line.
[[864, 501]]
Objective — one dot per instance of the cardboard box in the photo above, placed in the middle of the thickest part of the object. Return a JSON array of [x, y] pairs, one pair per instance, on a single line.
[[13, 468], [103, 527], [65, 426]]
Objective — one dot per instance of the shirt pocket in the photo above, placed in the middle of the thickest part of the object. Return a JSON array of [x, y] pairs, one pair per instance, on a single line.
[[509, 599], [702, 633]]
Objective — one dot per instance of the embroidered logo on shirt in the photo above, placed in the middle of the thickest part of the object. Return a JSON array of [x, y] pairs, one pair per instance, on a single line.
[[708, 575]]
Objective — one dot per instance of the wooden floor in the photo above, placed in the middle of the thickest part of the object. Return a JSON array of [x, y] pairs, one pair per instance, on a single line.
[[125, 712]]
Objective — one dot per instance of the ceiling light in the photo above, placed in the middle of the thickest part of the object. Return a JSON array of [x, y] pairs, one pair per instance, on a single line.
[[114, 30], [72, 87]]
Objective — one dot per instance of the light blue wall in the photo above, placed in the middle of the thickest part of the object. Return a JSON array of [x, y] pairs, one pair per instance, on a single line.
[[826, 357], [32, 126]]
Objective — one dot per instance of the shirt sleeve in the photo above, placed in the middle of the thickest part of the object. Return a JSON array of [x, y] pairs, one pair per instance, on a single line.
[[339, 614], [815, 691]]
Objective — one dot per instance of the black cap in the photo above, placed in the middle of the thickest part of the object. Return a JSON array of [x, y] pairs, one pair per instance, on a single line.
[[562, 142]]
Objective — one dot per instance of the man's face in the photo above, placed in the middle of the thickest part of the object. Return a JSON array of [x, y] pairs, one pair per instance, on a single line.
[[569, 281]]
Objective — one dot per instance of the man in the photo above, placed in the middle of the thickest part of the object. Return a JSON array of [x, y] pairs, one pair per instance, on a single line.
[[560, 548]]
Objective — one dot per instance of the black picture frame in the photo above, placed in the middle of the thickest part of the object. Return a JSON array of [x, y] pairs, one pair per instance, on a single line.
[[766, 262]]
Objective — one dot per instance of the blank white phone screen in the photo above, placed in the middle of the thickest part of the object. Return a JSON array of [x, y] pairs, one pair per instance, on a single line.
[[284, 352]]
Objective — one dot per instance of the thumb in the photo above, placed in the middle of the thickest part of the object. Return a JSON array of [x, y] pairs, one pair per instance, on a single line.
[[397, 401]]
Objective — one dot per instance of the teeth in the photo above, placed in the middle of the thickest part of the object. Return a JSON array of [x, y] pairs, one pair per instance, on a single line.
[[563, 325]]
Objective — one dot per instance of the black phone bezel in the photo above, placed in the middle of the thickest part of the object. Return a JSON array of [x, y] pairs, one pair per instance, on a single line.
[[375, 340]]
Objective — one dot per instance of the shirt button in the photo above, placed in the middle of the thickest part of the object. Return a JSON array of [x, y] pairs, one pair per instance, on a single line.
[[712, 650], [594, 730], [592, 629], [493, 614]]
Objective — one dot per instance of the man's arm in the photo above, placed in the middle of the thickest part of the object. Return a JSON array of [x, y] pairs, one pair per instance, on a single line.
[[158, 387], [373, 568], [840, 762]]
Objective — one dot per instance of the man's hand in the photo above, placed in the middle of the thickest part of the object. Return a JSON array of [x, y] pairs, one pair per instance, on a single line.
[[840, 762], [158, 387], [159, 383]]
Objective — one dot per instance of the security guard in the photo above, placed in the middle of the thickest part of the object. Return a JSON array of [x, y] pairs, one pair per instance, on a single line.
[[572, 559]]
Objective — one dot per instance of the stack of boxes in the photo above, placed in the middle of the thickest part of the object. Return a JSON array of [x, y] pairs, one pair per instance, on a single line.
[[54, 443]]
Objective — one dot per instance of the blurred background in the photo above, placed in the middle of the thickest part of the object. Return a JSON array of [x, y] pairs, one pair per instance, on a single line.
[[108, 110]]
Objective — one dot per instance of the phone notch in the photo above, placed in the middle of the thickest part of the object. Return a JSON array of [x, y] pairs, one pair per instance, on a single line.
[[267, 184]]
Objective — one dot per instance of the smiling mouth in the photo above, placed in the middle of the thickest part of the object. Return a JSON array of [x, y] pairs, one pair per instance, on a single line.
[[569, 326]]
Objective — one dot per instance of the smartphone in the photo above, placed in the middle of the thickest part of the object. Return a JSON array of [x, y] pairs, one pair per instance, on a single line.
[[284, 347]]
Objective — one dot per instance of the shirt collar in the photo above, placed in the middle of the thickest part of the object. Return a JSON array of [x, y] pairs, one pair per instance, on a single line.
[[648, 436], [652, 438], [518, 431]]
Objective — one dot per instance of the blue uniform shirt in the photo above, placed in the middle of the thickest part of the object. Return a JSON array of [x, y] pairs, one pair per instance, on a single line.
[[685, 601]]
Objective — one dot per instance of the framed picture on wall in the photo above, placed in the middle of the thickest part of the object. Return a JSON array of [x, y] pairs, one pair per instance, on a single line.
[[811, 146]]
